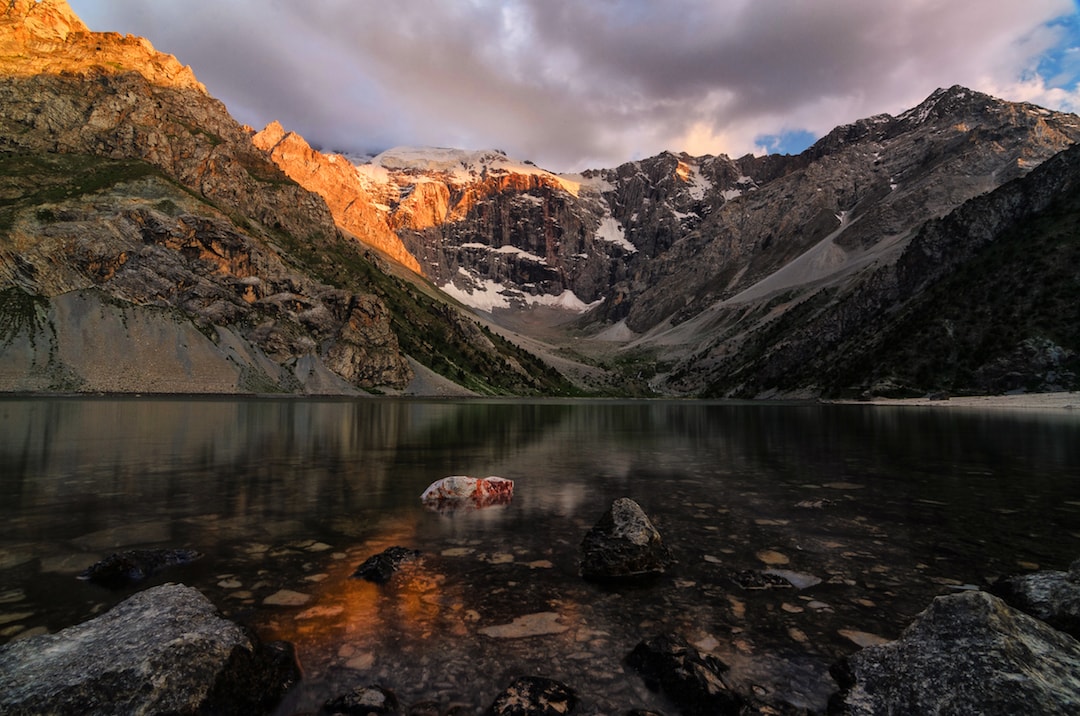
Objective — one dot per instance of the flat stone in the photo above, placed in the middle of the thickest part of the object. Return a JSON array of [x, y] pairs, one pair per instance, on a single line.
[[772, 557], [287, 598], [862, 638], [538, 624], [321, 612], [799, 580]]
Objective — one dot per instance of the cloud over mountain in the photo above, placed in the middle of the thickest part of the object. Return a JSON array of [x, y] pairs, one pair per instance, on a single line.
[[571, 84]]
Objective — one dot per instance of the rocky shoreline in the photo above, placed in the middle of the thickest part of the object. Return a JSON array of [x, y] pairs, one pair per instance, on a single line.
[[1019, 401]]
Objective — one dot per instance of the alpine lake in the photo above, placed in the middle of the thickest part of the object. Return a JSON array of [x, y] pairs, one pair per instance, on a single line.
[[866, 513]]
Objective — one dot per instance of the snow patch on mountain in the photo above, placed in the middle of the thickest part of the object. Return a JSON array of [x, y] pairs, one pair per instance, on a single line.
[[699, 185], [487, 295], [612, 231], [454, 166]]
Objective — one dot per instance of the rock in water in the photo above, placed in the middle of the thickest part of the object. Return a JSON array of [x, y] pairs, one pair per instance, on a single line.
[[624, 545], [967, 653], [363, 701], [1049, 595], [163, 650], [694, 681], [459, 492], [534, 696], [121, 569], [380, 567]]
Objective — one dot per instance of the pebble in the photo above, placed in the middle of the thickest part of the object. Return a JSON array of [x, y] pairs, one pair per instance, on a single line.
[[287, 598], [799, 580], [230, 584], [361, 662], [321, 612], [10, 596], [15, 617], [798, 635], [772, 557], [457, 551], [862, 638]]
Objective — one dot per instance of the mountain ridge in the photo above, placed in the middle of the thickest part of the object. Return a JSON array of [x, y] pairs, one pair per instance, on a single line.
[[129, 189]]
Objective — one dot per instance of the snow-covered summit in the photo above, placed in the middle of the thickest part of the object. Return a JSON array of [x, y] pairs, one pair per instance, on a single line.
[[455, 166]]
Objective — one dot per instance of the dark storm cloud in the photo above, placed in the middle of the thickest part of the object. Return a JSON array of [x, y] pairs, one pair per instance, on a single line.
[[574, 83]]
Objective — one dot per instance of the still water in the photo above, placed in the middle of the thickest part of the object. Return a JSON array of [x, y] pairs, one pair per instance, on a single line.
[[872, 511]]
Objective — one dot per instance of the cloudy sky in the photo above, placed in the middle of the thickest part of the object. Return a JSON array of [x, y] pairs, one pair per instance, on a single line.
[[572, 84]]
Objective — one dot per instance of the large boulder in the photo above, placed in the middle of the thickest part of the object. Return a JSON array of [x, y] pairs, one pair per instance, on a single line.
[[967, 653], [692, 680], [165, 650], [623, 545], [1049, 595]]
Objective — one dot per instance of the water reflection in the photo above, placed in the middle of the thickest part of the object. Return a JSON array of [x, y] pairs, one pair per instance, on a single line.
[[886, 507]]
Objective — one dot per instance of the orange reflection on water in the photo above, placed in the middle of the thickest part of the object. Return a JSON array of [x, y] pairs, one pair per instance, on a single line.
[[350, 619]]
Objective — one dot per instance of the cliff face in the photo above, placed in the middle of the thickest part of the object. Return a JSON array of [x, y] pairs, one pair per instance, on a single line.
[[354, 207], [113, 156], [147, 243]]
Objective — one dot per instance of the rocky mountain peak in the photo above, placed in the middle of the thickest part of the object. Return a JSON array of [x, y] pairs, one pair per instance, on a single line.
[[950, 104], [50, 20], [46, 37]]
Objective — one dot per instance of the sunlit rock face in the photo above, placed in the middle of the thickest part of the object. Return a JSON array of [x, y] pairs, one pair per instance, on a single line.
[[351, 199], [132, 191], [62, 43], [460, 492]]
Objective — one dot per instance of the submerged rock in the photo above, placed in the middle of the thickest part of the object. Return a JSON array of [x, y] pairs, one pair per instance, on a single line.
[[459, 492], [623, 545], [380, 567], [967, 653], [757, 579], [122, 569], [534, 696], [692, 680], [1049, 595], [363, 701], [163, 650]]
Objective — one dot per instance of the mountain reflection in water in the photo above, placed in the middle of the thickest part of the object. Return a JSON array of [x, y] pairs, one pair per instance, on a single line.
[[871, 510]]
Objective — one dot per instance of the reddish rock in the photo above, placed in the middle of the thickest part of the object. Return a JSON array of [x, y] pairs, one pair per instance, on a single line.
[[459, 492]]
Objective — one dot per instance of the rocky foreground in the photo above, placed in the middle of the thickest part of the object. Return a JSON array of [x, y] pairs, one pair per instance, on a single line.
[[1010, 650]]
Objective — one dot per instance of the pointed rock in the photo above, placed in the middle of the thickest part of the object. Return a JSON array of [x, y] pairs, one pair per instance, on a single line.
[[623, 545]]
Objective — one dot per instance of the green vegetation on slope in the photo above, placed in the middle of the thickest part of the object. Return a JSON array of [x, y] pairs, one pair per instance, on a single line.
[[433, 332], [28, 180], [983, 328]]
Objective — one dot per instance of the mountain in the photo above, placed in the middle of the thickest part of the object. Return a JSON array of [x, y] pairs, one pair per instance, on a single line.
[[693, 276], [147, 245], [148, 242]]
